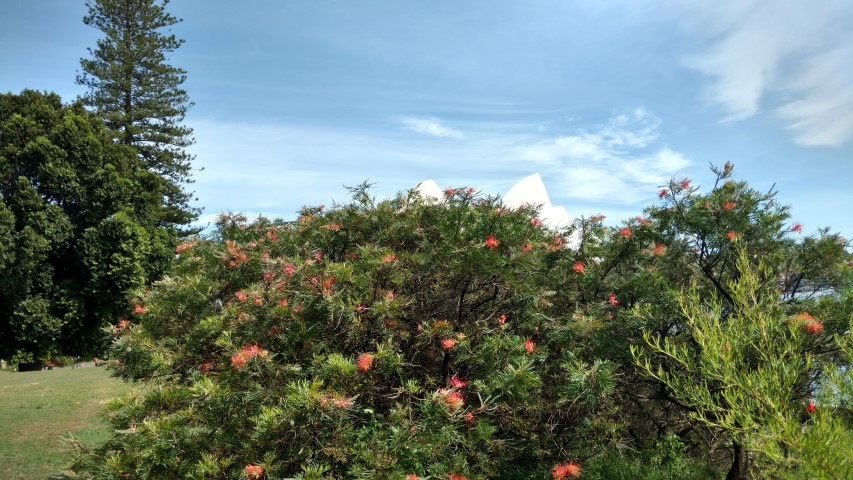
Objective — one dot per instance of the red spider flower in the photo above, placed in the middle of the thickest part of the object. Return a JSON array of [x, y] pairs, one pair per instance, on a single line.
[[662, 193], [797, 228], [364, 362], [492, 242], [411, 476], [596, 218], [123, 324], [448, 192], [318, 255], [529, 346], [811, 407], [447, 344], [139, 310], [253, 472], [206, 366], [578, 267], [258, 300], [455, 382], [390, 258], [283, 302], [809, 323], [453, 476], [241, 296], [611, 299], [289, 269], [731, 235], [684, 184], [502, 319], [536, 222], [451, 397], [470, 417], [729, 205], [659, 250], [246, 354], [643, 221], [183, 247], [625, 232], [564, 471], [361, 308], [526, 247]]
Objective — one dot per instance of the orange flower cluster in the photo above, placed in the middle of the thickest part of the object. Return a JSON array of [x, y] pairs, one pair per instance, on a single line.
[[447, 344], [492, 242], [529, 346], [625, 232], [809, 323], [578, 267], [253, 472], [234, 256], [364, 362], [564, 471], [246, 354], [451, 397]]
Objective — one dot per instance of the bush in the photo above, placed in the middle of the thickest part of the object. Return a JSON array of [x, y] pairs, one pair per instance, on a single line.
[[366, 341]]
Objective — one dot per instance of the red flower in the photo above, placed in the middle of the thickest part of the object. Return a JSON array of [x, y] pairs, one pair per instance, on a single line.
[[206, 366], [611, 299], [684, 184], [596, 218], [289, 269], [492, 242], [390, 258], [360, 309], [411, 476], [659, 249], [364, 362], [241, 296], [283, 302], [253, 472], [809, 323], [184, 247], [451, 397], [123, 324], [447, 344], [662, 193], [643, 221], [526, 247], [502, 319], [625, 232], [811, 407], [529, 346], [578, 267], [729, 205], [455, 382], [456, 477], [470, 417], [448, 192], [731, 235], [564, 471], [536, 222], [258, 300], [139, 310], [246, 354], [797, 227], [318, 255]]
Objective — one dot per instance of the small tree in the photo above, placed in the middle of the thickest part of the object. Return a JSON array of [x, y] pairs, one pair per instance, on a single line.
[[139, 95], [741, 368]]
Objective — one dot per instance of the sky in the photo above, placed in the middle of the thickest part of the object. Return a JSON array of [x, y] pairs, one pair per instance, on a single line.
[[605, 100]]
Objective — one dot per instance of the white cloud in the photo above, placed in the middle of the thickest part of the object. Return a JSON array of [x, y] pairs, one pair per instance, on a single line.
[[614, 163], [430, 126], [790, 56]]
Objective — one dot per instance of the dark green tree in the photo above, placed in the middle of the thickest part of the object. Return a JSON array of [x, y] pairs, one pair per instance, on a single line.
[[139, 95], [73, 240]]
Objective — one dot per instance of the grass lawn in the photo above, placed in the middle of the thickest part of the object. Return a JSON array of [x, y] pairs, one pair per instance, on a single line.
[[37, 408]]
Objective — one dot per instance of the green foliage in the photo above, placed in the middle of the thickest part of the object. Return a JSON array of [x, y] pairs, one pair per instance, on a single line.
[[365, 341], [74, 237], [139, 96]]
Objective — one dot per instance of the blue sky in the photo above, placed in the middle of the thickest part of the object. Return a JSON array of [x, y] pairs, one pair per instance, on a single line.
[[606, 100]]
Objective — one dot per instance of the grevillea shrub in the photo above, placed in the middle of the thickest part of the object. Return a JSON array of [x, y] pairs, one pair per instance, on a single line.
[[390, 340]]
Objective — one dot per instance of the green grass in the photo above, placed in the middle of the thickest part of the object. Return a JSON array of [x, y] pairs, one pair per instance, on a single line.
[[37, 409]]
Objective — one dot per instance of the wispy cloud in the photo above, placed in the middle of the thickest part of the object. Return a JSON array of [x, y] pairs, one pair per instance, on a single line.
[[617, 164], [789, 56], [430, 126]]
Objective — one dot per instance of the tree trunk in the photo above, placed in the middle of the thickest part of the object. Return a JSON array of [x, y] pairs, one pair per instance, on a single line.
[[738, 469]]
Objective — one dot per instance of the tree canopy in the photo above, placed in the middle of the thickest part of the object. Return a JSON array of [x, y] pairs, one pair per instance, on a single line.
[[73, 233], [138, 94]]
